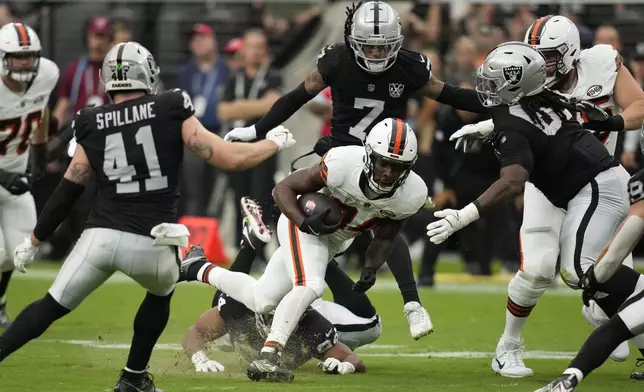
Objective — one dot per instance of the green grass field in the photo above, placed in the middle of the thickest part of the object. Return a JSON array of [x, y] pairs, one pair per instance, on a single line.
[[86, 350]]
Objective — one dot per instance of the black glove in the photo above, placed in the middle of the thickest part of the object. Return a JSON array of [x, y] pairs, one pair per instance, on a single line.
[[15, 183], [588, 284], [367, 280], [592, 111], [612, 124], [314, 224]]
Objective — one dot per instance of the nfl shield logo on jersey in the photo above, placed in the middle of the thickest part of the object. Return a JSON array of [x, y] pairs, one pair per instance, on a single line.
[[513, 74], [396, 89]]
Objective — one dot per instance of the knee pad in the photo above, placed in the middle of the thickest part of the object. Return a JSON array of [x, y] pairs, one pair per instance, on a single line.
[[539, 253], [525, 289]]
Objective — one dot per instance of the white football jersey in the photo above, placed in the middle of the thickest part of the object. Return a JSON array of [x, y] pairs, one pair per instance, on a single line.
[[596, 75], [21, 115], [341, 169]]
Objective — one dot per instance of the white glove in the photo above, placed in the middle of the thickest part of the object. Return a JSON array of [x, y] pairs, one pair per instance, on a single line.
[[242, 134], [334, 366], [452, 221], [174, 234], [24, 254], [471, 134], [280, 136], [205, 365]]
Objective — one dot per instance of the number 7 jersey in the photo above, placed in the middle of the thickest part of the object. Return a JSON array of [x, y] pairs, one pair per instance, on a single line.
[[135, 149], [21, 115]]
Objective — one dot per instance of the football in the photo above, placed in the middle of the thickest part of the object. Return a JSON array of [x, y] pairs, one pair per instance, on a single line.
[[315, 201]]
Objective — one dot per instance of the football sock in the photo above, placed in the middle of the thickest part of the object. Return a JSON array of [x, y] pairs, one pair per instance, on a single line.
[[4, 283], [237, 285], [30, 323], [399, 262], [341, 287], [288, 313], [243, 263], [149, 323], [515, 318], [599, 345]]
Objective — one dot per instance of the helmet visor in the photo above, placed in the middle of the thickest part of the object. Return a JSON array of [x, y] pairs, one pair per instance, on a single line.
[[386, 172], [488, 89], [378, 54]]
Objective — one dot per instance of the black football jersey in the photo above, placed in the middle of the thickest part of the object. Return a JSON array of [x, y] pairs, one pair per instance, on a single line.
[[636, 187], [360, 99], [314, 335], [135, 149], [561, 158]]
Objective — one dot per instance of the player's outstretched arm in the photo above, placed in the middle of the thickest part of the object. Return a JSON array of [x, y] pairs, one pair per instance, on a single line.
[[456, 97], [232, 156], [378, 252], [70, 188], [299, 182], [209, 327], [630, 97], [339, 359], [290, 103]]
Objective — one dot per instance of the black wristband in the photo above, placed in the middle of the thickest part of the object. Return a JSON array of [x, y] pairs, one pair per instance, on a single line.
[[612, 124], [282, 110], [57, 208], [461, 99], [477, 205]]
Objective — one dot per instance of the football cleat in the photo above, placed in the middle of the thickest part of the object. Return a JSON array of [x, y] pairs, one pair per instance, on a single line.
[[508, 360], [420, 324], [255, 232], [5, 321], [638, 375], [191, 263], [268, 367], [565, 383], [143, 383], [621, 353]]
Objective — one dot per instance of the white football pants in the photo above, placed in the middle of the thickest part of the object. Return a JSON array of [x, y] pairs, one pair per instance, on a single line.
[[17, 220], [100, 252]]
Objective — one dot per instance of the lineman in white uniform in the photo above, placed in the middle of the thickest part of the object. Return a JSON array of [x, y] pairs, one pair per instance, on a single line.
[[376, 189], [594, 75], [27, 82]]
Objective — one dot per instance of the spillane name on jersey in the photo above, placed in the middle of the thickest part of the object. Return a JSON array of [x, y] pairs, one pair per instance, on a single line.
[[360, 99], [136, 149], [342, 169], [21, 116], [596, 74]]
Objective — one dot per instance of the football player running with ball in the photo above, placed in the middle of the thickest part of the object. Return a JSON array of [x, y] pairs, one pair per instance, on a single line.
[[595, 75], [27, 81], [371, 79], [378, 191], [134, 147]]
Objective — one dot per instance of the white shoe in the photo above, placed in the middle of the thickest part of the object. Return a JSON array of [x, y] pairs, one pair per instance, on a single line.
[[254, 227], [508, 359], [565, 383], [596, 317], [420, 324]]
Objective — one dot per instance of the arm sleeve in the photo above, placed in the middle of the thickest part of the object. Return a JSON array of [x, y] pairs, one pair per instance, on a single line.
[[331, 168], [514, 148], [461, 99]]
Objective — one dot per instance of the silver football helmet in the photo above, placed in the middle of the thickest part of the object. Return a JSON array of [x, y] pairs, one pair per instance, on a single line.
[[511, 71], [376, 36], [130, 66]]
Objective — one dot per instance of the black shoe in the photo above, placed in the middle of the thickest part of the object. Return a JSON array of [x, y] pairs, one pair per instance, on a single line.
[[132, 382], [638, 375], [190, 265], [268, 367], [425, 281]]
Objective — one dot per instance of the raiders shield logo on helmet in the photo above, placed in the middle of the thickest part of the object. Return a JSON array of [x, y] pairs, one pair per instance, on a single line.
[[513, 74]]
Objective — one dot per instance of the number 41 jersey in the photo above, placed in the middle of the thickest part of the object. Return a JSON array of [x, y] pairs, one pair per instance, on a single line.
[[135, 149]]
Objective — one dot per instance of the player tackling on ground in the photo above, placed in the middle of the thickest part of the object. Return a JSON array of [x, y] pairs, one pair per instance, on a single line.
[[135, 147], [377, 190], [27, 81], [371, 79], [594, 75]]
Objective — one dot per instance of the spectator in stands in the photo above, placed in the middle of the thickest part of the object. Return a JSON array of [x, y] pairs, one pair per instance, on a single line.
[[122, 31], [202, 78], [233, 54], [6, 13], [247, 96], [462, 58], [608, 35], [80, 84]]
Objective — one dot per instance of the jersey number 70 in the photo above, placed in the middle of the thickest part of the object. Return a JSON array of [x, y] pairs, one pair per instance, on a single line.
[[115, 164]]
